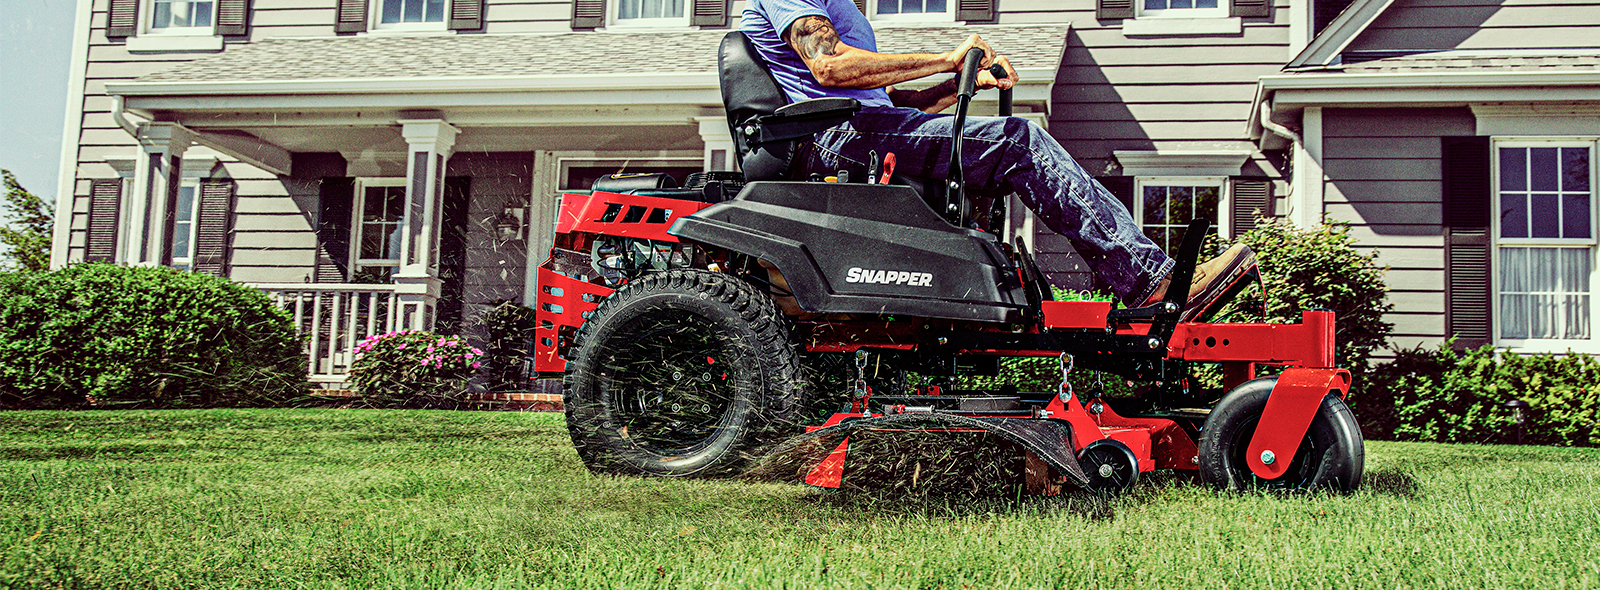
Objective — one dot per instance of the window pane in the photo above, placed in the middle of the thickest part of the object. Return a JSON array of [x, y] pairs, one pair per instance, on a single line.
[[1543, 173], [1155, 205], [1513, 270], [1205, 3], [650, 9], [390, 11], [202, 14], [162, 17], [1157, 235], [1181, 201], [1544, 292], [888, 6], [1545, 215], [1575, 169], [435, 11], [1205, 202], [628, 9], [1180, 3], [1513, 169], [412, 11], [1576, 268], [675, 8], [934, 6], [1155, 4], [1513, 216], [1575, 215]]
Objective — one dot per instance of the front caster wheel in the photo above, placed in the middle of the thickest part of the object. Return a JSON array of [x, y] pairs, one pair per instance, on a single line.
[[1330, 456], [1111, 466], [681, 373]]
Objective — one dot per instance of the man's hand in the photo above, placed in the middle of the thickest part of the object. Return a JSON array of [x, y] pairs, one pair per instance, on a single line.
[[958, 57], [986, 79]]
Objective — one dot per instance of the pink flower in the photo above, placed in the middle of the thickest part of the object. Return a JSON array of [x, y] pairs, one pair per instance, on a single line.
[[476, 351], [450, 343], [476, 365], [423, 362], [401, 347]]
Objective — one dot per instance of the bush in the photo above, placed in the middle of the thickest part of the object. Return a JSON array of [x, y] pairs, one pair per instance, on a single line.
[[1316, 268], [413, 369], [1447, 396], [510, 331], [153, 337]]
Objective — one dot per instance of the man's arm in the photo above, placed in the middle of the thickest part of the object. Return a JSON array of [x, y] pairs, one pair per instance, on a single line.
[[839, 65], [940, 96]]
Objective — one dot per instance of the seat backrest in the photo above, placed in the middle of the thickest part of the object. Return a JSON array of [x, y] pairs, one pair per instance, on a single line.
[[750, 91]]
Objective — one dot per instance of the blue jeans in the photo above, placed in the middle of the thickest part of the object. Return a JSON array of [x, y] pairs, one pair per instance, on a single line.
[[1003, 155]]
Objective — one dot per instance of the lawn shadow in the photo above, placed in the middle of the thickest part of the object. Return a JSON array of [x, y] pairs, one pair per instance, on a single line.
[[1391, 481]]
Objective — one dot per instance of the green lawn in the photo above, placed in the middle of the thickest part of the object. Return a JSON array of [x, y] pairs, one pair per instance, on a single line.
[[360, 499]]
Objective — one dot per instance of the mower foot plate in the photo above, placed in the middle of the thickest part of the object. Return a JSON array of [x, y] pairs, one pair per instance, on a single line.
[[798, 458]]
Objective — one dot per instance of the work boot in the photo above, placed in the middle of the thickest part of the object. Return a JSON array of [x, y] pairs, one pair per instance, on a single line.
[[1212, 279]]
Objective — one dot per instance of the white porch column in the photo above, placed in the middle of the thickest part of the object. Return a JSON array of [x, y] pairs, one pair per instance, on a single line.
[[429, 142], [1306, 196], [146, 213], [719, 154]]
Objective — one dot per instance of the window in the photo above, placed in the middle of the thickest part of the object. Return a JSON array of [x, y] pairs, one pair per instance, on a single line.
[[1544, 232], [184, 215], [650, 13], [417, 15], [184, 17], [1167, 205], [1182, 8], [910, 11], [379, 220]]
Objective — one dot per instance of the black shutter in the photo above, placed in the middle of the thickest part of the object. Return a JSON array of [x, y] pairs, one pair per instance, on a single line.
[[453, 223], [352, 16], [975, 10], [1465, 163], [1113, 9], [861, 5], [333, 230], [1324, 11], [1120, 187], [588, 14], [466, 15], [1251, 197], [105, 207], [710, 13], [233, 17], [122, 18], [212, 226], [1252, 8]]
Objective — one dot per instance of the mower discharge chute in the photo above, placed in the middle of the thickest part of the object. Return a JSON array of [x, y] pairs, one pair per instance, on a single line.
[[744, 320]]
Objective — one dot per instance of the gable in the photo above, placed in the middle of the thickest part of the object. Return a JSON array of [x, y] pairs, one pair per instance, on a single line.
[[1411, 26]]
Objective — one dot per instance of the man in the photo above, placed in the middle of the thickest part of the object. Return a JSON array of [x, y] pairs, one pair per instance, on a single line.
[[818, 48]]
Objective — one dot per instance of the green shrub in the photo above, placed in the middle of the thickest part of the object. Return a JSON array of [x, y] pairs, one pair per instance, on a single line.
[[104, 335], [1446, 396], [1317, 268], [510, 331], [408, 368]]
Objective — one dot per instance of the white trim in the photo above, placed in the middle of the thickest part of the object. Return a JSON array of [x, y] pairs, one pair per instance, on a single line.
[[1168, 25], [376, 26], [1324, 50], [1181, 163], [1306, 194], [1537, 119], [1529, 345], [615, 21], [1301, 19], [147, 14], [192, 183], [72, 135], [359, 205], [1428, 79], [172, 42]]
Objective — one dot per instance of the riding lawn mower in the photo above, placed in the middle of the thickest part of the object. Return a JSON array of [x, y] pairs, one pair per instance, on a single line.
[[749, 319]]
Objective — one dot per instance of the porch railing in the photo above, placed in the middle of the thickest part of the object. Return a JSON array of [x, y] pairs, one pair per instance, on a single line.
[[333, 318]]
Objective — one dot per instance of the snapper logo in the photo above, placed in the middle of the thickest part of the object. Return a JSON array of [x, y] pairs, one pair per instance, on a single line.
[[888, 277]]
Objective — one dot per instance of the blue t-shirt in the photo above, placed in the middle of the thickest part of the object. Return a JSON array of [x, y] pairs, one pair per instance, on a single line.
[[765, 22]]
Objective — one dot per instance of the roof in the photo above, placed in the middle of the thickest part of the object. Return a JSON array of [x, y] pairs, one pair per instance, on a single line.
[[1477, 61], [376, 57]]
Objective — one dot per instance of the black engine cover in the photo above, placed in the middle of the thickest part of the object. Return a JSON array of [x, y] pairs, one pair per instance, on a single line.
[[858, 248]]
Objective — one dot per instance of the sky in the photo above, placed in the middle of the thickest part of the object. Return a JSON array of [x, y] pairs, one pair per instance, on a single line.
[[35, 51]]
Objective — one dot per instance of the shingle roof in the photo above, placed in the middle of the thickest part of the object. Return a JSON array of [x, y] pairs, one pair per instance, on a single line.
[[397, 57], [1478, 61]]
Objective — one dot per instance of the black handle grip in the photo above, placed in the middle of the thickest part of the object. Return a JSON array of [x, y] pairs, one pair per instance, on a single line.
[[969, 72], [999, 72]]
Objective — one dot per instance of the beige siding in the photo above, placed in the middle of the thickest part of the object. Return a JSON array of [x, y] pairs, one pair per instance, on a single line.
[[1483, 24], [1383, 175]]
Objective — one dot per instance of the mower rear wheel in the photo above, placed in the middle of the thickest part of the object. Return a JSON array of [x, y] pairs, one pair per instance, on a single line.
[[681, 373], [1331, 455]]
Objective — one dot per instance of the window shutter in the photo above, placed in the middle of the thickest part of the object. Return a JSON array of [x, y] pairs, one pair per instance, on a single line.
[[710, 13], [1252, 8], [122, 18], [333, 230], [352, 16], [1250, 196], [1466, 164], [1324, 11], [1120, 187], [588, 14], [233, 17], [466, 15], [105, 206], [1113, 9], [975, 10], [861, 5], [213, 224]]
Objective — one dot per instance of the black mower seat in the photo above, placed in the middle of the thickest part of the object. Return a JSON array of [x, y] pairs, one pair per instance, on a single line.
[[766, 127]]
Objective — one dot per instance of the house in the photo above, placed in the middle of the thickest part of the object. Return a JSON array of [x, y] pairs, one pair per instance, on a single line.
[[379, 164]]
